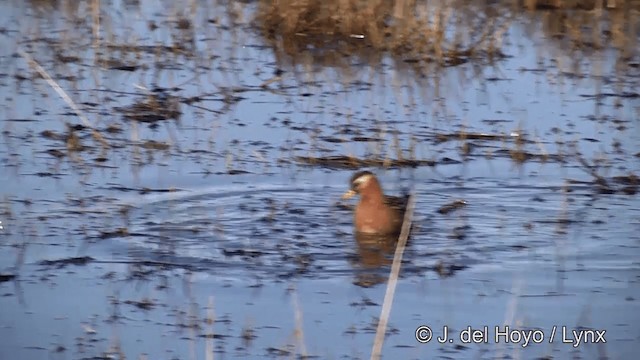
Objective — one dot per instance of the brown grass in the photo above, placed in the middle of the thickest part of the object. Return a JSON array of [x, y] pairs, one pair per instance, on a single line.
[[422, 33], [578, 4], [590, 25], [416, 32]]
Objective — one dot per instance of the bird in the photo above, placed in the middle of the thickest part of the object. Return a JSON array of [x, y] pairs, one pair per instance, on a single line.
[[376, 213]]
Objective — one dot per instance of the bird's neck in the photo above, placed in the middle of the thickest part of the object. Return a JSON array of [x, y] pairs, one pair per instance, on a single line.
[[373, 194]]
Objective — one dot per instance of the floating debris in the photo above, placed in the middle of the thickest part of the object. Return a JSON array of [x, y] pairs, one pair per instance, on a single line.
[[155, 145], [447, 270], [454, 205], [61, 263], [440, 138], [350, 162], [158, 106], [7, 277]]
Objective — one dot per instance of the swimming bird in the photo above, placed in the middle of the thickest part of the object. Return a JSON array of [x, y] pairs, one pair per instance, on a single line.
[[376, 213]]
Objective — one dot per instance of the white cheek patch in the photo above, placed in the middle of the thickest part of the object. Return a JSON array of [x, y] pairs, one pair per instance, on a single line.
[[362, 179]]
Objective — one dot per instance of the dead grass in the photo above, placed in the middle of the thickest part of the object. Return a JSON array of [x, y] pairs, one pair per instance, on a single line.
[[590, 25], [446, 33], [578, 4]]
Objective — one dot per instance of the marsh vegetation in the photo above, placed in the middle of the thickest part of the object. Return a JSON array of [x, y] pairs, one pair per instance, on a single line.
[[171, 173]]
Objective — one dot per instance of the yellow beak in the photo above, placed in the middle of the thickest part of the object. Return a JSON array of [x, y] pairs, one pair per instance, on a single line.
[[348, 195]]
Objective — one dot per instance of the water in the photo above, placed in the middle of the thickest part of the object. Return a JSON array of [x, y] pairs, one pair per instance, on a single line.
[[263, 263]]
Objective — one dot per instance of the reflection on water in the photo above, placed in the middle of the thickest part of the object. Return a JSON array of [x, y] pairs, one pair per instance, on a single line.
[[230, 131], [374, 255]]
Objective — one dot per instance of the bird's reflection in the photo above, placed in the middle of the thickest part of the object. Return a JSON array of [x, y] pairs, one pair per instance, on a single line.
[[374, 258]]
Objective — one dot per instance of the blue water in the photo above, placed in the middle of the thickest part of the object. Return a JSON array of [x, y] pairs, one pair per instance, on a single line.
[[534, 249]]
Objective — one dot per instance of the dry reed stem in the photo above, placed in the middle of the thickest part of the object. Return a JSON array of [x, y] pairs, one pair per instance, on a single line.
[[64, 96], [95, 14], [299, 332], [376, 351], [211, 319], [510, 311]]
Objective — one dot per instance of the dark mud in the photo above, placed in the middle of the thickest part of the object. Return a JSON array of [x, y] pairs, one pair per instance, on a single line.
[[186, 202]]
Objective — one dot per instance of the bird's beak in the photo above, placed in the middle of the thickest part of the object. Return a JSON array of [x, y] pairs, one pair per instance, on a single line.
[[348, 195]]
